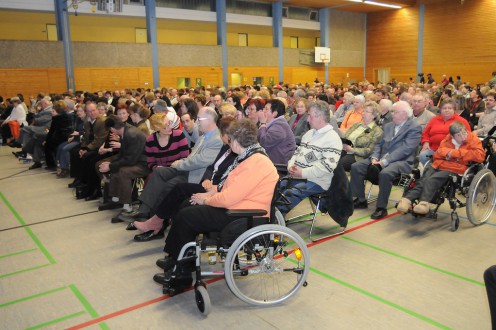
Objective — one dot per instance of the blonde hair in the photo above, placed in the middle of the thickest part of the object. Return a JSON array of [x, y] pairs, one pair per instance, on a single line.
[[157, 121], [228, 110]]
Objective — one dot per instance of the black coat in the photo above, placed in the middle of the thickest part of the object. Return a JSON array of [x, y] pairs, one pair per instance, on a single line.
[[60, 129]]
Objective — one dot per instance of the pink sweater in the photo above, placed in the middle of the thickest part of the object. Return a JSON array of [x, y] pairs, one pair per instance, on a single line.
[[157, 155], [249, 186]]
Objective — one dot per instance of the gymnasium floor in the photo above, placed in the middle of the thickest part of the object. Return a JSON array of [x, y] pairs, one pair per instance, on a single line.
[[64, 265]]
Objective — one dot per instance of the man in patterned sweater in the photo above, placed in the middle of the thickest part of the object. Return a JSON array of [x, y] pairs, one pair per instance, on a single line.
[[315, 159]]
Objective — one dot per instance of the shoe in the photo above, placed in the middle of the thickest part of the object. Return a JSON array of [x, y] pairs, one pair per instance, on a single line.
[[19, 154], [63, 174], [109, 206], [116, 219], [134, 216], [166, 263], [404, 205], [149, 236], [51, 168], [94, 195], [379, 213], [15, 144], [131, 226], [421, 208], [74, 183], [162, 278], [357, 204], [35, 166]]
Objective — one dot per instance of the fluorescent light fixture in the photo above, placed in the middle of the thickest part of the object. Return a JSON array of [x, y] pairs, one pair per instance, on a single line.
[[375, 3]]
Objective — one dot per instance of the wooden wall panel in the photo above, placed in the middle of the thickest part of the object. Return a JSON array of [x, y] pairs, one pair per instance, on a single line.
[[52, 80], [392, 38]]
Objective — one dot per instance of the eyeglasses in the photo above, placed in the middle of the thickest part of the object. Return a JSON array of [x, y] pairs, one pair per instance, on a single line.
[[202, 118]]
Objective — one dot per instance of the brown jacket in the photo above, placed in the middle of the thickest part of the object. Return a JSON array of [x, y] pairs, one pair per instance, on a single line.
[[95, 140]]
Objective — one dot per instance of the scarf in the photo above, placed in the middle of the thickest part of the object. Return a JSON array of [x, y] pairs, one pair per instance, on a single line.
[[253, 149]]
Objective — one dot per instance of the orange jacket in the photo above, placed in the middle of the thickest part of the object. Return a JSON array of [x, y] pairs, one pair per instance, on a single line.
[[249, 186], [470, 151]]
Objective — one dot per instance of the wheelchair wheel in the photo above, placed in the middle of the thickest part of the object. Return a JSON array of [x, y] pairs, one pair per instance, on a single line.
[[202, 300], [481, 197], [280, 218], [266, 265]]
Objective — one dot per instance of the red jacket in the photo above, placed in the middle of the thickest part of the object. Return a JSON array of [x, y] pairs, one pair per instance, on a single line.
[[470, 151], [437, 129]]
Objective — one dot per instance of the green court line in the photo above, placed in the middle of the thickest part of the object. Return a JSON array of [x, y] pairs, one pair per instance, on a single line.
[[414, 261], [28, 230], [380, 299], [87, 305], [60, 319], [23, 270], [33, 296], [16, 253]]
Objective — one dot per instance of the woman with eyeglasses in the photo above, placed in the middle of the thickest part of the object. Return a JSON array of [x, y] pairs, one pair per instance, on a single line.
[[360, 139]]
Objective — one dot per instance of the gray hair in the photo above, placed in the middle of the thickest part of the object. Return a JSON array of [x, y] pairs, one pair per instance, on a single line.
[[322, 109], [360, 98], [160, 106], [405, 106], [300, 93], [349, 96], [211, 113], [386, 103], [457, 127], [375, 108]]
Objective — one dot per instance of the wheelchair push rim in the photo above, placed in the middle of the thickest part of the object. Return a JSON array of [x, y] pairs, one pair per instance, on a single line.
[[481, 197], [267, 265]]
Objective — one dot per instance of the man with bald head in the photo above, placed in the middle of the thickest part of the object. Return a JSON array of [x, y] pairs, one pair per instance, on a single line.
[[189, 169]]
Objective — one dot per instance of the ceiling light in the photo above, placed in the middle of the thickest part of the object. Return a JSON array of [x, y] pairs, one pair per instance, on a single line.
[[375, 3]]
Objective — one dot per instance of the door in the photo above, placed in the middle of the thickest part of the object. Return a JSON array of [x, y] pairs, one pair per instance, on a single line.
[[381, 75]]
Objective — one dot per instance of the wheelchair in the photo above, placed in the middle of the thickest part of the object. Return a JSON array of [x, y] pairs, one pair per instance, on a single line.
[[477, 185], [263, 262]]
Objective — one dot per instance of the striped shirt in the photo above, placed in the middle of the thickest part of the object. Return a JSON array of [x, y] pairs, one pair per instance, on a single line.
[[157, 155]]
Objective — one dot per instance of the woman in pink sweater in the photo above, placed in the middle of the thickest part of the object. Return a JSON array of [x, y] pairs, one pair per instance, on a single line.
[[248, 184]]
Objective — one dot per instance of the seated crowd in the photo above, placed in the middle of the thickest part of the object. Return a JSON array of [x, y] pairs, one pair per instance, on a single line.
[[203, 151]]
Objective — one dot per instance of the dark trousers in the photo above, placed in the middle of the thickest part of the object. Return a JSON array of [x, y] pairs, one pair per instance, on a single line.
[[172, 203], [75, 162], [347, 160], [51, 152], [191, 221], [490, 280], [427, 186], [6, 133]]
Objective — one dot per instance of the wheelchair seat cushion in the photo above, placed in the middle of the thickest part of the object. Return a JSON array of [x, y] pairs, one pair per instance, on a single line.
[[234, 229]]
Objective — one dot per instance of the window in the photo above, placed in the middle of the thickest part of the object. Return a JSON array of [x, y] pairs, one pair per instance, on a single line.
[[294, 42], [243, 39], [141, 37], [51, 30]]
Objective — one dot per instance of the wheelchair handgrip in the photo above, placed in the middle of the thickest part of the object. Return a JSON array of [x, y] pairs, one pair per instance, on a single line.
[[245, 213]]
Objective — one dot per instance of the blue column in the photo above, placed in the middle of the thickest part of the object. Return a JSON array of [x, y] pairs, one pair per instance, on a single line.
[[151, 35], [420, 45], [324, 15], [220, 8], [365, 47], [277, 34], [64, 32]]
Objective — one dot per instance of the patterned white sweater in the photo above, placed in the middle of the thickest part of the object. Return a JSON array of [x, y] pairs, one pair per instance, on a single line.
[[318, 155]]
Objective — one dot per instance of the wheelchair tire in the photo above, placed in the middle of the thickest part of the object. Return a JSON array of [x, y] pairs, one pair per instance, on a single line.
[[267, 265], [481, 197], [280, 218], [202, 300]]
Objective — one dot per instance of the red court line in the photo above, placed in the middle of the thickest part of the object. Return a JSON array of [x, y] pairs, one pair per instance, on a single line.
[[132, 308], [165, 297]]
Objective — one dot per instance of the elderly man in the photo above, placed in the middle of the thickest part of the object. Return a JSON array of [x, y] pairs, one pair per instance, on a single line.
[[420, 114], [274, 133], [217, 102], [189, 169], [452, 157], [344, 107], [394, 154], [386, 109], [33, 136], [315, 159]]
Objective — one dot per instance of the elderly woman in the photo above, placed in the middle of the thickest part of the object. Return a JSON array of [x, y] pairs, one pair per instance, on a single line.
[[437, 129], [247, 184], [60, 130], [166, 145], [252, 109], [488, 119], [227, 110], [344, 107], [353, 116], [361, 138], [386, 108], [452, 157], [298, 122], [154, 227]]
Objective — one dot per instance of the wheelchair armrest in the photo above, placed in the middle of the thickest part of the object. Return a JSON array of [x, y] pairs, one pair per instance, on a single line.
[[281, 168], [245, 213]]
